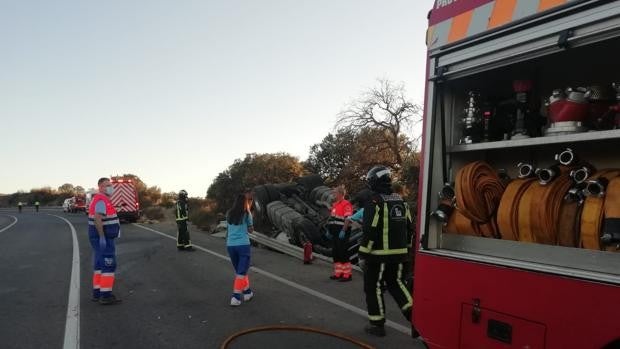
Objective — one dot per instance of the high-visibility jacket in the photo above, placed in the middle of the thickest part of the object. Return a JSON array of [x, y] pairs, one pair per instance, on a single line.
[[182, 211], [111, 223], [340, 210], [387, 229]]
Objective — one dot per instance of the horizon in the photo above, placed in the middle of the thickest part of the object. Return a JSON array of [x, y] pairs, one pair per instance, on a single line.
[[176, 92]]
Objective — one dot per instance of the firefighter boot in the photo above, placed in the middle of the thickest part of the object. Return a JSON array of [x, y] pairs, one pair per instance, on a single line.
[[375, 330]]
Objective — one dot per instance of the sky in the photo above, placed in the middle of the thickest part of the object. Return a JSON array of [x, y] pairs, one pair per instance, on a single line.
[[175, 91]]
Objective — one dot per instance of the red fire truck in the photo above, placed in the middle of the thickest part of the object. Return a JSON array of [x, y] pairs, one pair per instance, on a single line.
[[125, 199], [78, 203], [521, 248]]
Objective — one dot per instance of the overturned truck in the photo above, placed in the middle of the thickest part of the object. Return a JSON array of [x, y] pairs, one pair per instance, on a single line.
[[298, 212]]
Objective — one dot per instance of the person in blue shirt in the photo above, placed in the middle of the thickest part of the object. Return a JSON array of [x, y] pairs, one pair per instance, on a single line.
[[239, 221]]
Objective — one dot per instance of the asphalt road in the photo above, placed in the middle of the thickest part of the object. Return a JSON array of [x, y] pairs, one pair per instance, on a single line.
[[171, 299]]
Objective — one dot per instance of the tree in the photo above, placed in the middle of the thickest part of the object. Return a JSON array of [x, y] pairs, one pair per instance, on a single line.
[[253, 170], [384, 108], [66, 189], [330, 157]]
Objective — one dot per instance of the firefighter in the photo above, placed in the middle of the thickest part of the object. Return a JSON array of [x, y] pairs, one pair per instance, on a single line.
[[182, 212], [19, 206], [341, 209], [103, 228], [36, 206], [386, 240]]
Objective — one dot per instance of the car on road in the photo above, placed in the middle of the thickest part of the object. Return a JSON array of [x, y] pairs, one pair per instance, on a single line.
[[66, 205]]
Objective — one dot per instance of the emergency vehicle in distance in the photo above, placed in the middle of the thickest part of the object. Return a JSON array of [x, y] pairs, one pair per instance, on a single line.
[[125, 198], [510, 84], [77, 203]]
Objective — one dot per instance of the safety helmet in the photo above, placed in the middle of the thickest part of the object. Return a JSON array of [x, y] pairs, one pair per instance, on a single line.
[[182, 194], [379, 179]]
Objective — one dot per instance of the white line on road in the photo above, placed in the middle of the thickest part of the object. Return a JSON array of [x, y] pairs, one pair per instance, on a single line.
[[72, 326], [302, 288], [10, 225]]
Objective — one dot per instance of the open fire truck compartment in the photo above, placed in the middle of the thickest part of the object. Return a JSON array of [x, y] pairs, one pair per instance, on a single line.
[[473, 291]]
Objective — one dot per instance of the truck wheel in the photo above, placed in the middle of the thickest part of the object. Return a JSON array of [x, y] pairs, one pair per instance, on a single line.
[[274, 212], [309, 183], [317, 193], [261, 195], [272, 192]]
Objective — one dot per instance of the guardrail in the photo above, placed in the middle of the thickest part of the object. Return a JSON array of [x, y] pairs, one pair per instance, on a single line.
[[288, 249]]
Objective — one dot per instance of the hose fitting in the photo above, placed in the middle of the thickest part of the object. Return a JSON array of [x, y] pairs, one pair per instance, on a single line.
[[580, 175], [566, 157], [546, 175], [525, 170], [597, 187], [447, 197]]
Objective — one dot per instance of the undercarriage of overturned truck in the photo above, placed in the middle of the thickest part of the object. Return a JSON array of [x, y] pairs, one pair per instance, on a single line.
[[298, 212]]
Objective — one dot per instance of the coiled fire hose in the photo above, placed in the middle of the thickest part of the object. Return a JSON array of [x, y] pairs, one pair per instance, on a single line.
[[508, 211], [478, 192], [594, 208], [545, 209], [611, 224]]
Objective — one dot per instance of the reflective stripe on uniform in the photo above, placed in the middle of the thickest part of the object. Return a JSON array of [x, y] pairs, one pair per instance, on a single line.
[[386, 252], [403, 288], [367, 248], [386, 227], [375, 219], [379, 293]]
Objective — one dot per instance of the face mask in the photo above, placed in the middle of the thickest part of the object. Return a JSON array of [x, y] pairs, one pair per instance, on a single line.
[[109, 190]]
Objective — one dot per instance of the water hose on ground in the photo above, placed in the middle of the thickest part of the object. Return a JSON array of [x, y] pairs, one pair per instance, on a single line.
[[234, 336]]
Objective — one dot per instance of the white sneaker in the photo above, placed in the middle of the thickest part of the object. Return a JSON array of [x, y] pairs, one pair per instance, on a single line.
[[248, 296], [234, 302]]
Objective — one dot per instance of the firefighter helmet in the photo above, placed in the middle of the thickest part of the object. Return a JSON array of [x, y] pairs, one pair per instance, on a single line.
[[379, 179], [183, 194]]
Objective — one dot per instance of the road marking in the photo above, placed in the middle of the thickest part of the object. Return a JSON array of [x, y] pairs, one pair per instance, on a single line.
[[295, 285], [72, 326], [10, 225]]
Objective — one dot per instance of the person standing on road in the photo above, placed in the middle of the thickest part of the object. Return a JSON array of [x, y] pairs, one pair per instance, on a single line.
[[341, 209], [103, 228], [239, 224], [19, 206], [182, 215], [386, 240], [36, 206]]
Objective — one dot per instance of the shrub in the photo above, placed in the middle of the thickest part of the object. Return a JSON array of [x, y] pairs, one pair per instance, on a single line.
[[154, 212]]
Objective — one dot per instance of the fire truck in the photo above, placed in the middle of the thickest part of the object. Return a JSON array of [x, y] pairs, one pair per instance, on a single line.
[[519, 200], [78, 203], [125, 199]]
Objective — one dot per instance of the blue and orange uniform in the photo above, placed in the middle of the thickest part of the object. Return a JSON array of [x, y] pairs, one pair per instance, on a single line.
[[342, 265], [104, 256]]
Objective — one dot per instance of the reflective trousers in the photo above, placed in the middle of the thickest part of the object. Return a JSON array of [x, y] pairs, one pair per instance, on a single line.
[[104, 266], [390, 273]]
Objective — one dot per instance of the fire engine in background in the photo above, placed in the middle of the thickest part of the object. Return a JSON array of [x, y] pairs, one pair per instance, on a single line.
[[78, 203], [125, 199], [521, 248]]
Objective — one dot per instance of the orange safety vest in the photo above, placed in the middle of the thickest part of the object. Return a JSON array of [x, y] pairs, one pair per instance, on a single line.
[[340, 210], [111, 223]]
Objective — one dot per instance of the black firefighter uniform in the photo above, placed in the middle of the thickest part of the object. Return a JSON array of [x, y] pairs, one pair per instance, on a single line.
[[183, 240], [385, 245]]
